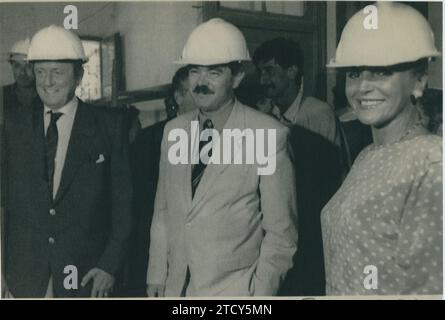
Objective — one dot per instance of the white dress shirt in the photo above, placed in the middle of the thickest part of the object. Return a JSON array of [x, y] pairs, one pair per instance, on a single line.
[[64, 127]]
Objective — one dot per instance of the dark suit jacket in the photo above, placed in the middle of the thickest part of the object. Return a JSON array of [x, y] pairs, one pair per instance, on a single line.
[[145, 153], [92, 223], [318, 171]]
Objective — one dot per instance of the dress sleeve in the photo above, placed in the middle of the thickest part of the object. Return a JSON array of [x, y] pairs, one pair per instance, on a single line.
[[419, 247]]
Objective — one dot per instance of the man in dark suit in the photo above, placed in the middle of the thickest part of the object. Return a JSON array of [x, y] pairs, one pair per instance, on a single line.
[[69, 189], [318, 173]]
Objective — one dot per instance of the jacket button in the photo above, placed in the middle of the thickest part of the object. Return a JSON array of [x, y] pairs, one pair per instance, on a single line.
[[52, 212], [51, 240]]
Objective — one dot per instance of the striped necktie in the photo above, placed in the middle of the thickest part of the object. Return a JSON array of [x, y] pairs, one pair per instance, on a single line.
[[51, 140], [198, 169]]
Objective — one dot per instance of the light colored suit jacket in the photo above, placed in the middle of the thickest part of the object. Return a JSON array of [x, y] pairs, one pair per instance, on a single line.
[[238, 233]]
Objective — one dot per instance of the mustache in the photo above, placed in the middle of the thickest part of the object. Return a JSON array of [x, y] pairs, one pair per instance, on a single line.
[[203, 90]]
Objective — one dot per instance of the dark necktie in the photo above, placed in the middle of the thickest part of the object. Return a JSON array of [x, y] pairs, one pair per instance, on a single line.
[[51, 139], [198, 169]]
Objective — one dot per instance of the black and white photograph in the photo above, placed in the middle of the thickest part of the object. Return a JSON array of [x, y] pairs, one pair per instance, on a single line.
[[221, 149]]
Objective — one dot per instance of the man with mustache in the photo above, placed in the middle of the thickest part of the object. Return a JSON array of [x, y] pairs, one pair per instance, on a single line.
[[227, 231], [280, 63], [69, 191]]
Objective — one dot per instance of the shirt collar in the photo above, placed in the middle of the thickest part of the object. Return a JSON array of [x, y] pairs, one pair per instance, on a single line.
[[291, 114], [69, 109], [219, 117]]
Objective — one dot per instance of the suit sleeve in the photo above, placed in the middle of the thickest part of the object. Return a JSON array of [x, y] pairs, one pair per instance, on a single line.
[[121, 195], [279, 209], [157, 262]]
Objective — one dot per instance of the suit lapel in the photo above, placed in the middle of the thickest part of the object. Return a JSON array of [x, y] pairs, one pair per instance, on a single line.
[[79, 144], [38, 145], [39, 131], [186, 172], [236, 120]]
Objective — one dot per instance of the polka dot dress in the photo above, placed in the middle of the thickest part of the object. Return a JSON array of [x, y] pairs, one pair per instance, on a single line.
[[382, 231]]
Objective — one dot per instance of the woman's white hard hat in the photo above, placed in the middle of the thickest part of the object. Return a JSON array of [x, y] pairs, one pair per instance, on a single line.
[[402, 35]]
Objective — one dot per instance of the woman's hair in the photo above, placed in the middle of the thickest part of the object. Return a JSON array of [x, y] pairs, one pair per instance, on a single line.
[[431, 103], [420, 67]]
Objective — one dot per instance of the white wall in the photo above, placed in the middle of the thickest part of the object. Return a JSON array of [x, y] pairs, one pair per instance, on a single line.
[[153, 35]]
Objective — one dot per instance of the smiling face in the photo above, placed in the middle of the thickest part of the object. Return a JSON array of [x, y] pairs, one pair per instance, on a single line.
[[380, 95], [55, 82], [212, 86]]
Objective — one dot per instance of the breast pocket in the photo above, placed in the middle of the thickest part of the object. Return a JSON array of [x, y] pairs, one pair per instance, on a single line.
[[95, 171], [233, 179]]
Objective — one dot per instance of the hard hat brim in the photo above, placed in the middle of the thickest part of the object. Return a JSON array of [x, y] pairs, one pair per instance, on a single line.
[[15, 56], [334, 64], [201, 62], [85, 60]]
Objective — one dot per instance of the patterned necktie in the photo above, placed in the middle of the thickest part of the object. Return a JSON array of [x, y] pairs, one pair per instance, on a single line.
[[198, 169], [51, 139]]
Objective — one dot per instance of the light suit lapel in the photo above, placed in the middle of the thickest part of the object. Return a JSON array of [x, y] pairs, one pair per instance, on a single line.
[[212, 172], [183, 172]]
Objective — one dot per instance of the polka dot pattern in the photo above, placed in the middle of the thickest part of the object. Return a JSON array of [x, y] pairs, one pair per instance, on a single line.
[[387, 214]]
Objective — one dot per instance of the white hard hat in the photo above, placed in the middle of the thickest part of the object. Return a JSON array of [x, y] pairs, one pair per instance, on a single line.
[[56, 43], [215, 42], [20, 47], [402, 35]]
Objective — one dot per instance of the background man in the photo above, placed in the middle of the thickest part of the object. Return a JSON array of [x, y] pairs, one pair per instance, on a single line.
[[23, 91], [226, 230], [315, 140], [281, 63], [69, 190]]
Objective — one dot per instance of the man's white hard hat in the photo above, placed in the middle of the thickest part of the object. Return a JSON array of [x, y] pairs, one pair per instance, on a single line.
[[215, 42], [56, 43], [21, 47]]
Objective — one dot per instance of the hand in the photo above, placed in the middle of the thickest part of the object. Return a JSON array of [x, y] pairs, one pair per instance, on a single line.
[[155, 290], [102, 282]]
